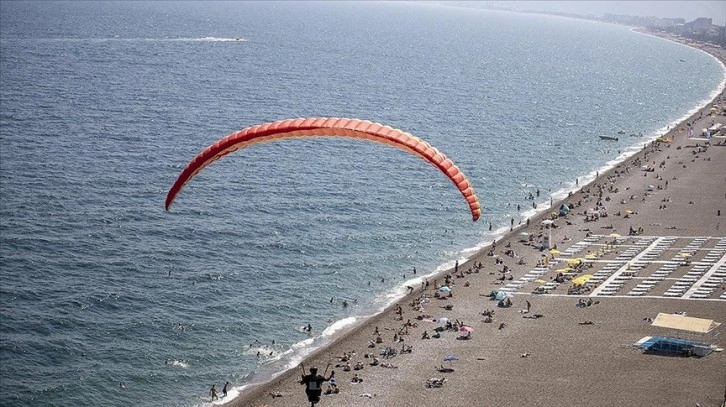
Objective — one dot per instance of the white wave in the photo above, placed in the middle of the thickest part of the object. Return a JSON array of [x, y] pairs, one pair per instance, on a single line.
[[264, 352], [179, 363], [142, 39], [302, 344], [470, 250], [204, 39], [337, 326]]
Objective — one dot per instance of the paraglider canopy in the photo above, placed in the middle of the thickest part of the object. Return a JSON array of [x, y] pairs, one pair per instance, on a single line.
[[331, 127]]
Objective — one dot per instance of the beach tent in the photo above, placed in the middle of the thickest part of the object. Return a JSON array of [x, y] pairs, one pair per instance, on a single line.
[[684, 323], [499, 295], [564, 210]]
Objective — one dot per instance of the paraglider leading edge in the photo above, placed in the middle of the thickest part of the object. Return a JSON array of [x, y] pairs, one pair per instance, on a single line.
[[331, 127]]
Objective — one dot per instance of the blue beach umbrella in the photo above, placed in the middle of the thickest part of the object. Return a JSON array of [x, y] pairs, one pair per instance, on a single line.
[[445, 289]]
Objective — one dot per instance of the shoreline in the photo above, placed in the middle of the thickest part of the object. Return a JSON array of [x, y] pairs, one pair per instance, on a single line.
[[355, 337]]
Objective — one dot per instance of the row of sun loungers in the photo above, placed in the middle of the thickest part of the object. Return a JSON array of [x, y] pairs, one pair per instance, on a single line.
[[704, 277]]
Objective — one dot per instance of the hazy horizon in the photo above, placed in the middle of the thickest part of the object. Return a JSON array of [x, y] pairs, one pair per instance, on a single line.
[[689, 10]]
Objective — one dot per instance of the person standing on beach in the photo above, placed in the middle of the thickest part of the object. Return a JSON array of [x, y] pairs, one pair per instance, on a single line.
[[213, 392], [224, 389]]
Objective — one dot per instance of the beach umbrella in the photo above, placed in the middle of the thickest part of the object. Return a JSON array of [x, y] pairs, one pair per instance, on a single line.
[[540, 281], [590, 256], [442, 320], [614, 235], [525, 234], [466, 329], [685, 255], [555, 252], [564, 270], [628, 211], [450, 358], [548, 221], [574, 262], [582, 279], [445, 289]]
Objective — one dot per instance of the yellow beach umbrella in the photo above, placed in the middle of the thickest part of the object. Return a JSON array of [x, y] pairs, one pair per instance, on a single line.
[[685, 255], [555, 251], [564, 269], [574, 262], [614, 235], [540, 281], [582, 279], [590, 257], [628, 211]]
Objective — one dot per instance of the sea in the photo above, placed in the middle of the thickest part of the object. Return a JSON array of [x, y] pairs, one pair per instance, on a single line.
[[108, 299]]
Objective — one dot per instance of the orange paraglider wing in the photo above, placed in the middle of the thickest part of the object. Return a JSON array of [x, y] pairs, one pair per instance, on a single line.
[[317, 127]]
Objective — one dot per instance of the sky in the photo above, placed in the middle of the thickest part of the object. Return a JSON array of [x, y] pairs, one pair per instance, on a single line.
[[690, 10]]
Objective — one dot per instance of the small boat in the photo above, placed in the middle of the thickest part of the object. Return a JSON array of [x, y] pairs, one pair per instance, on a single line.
[[609, 138], [621, 132]]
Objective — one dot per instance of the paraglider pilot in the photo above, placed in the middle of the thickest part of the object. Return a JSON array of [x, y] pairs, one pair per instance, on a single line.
[[313, 383]]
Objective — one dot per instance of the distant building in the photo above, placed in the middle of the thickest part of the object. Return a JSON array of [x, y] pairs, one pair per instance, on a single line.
[[666, 23], [700, 29], [699, 26]]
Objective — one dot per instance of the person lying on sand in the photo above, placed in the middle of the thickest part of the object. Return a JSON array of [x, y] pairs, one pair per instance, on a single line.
[[435, 382]]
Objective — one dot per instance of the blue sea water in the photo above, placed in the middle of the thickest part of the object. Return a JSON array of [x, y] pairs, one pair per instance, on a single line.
[[103, 103]]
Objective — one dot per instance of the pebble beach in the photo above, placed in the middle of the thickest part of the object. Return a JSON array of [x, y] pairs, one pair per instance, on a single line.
[[556, 352]]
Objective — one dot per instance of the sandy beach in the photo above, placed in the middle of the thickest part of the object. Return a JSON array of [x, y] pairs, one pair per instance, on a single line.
[[570, 355]]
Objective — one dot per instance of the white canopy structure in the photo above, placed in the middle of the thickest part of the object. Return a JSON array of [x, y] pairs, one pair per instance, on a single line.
[[684, 323]]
